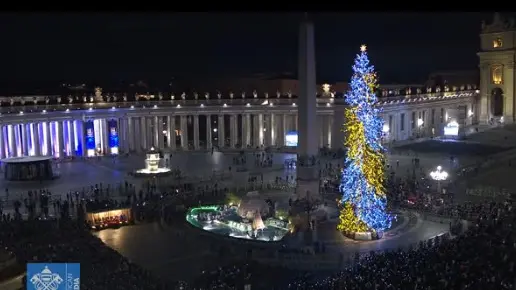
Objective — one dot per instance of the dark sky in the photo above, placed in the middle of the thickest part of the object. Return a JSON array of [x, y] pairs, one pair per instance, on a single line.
[[404, 47]]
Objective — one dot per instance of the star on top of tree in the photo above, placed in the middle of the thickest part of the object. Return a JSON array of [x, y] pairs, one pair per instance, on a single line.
[[363, 48]]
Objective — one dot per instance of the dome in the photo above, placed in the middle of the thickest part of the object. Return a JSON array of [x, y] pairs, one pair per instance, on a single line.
[[249, 207]]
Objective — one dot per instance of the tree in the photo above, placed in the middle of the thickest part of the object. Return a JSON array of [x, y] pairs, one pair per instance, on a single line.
[[362, 183], [349, 222]]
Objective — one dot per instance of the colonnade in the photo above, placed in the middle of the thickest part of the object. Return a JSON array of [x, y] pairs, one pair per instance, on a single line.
[[131, 131], [201, 131], [59, 138]]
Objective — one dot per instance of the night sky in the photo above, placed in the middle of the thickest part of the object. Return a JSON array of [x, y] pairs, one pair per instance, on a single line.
[[87, 47]]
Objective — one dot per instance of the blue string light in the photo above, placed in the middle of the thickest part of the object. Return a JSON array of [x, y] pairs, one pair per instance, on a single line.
[[369, 204]]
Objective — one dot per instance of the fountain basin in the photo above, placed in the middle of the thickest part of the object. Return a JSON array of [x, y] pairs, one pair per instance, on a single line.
[[152, 166], [225, 221]]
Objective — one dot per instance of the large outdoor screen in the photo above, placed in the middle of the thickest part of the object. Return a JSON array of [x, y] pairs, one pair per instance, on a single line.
[[291, 139]]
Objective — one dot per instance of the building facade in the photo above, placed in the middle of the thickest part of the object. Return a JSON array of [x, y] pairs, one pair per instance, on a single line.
[[497, 77], [102, 125]]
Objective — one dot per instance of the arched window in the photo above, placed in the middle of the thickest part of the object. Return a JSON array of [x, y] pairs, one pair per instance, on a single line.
[[497, 74], [497, 42]]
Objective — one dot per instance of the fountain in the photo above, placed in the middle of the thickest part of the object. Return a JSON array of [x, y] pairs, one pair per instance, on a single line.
[[152, 166], [230, 222]]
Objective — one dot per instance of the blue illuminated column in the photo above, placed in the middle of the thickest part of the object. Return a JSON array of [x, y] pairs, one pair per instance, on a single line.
[[18, 142], [12, 141], [81, 138], [113, 137], [90, 138], [54, 139], [48, 138], [2, 143]]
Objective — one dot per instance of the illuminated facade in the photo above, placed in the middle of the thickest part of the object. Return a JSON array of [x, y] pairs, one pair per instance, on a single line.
[[497, 75], [101, 128]]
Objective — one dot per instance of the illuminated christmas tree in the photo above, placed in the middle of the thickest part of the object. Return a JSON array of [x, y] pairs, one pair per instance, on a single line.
[[349, 222], [362, 184]]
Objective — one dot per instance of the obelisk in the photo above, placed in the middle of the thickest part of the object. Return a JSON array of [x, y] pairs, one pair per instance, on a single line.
[[307, 172]]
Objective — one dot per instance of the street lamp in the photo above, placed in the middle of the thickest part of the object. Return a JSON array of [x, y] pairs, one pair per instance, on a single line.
[[439, 175]]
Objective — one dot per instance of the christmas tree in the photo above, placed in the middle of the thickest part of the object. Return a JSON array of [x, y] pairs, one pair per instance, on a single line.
[[362, 181], [349, 222]]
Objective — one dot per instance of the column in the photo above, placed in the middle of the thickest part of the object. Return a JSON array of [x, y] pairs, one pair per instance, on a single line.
[[256, 131], [137, 134], [124, 129], [268, 132], [156, 132], [209, 138], [285, 128], [328, 129], [220, 131], [129, 134], [150, 140], [274, 130], [247, 130], [12, 140], [120, 130], [337, 140], [260, 130], [161, 139], [278, 128], [2, 142], [171, 132], [82, 136], [104, 136], [24, 141], [60, 138], [196, 131], [233, 134], [143, 134], [184, 133], [71, 136]]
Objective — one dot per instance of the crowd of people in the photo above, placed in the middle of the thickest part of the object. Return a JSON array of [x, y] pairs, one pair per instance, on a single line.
[[101, 267], [482, 257]]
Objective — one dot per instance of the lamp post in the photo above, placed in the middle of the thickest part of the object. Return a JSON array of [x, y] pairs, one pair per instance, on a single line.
[[439, 175]]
